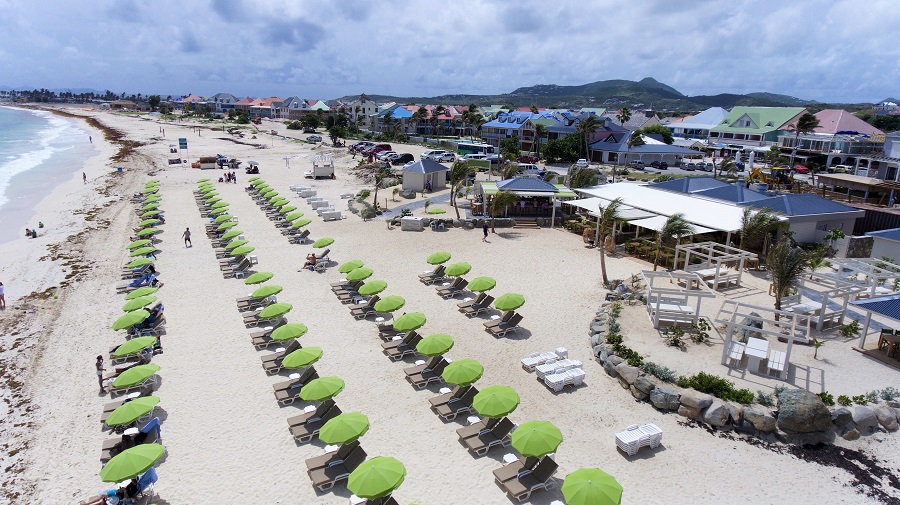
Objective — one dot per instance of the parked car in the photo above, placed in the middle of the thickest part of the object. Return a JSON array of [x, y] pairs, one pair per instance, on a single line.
[[527, 159], [660, 165], [360, 146], [444, 158], [309, 130], [494, 159], [800, 169], [403, 159], [430, 154], [384, 154], [841, 169], [706, 167], [638, 165], [689, 166], [582, 163], [314, 138], [475, 156]]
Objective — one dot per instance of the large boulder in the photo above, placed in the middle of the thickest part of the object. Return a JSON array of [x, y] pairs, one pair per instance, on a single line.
[[598, 326], [645, 385], [736, 413], [865, 419], [627, 373], [800, 411], [886, 417], [664, 398], [688, 412], [610, 368], [755, 320], [841, 417], [762, 420], [696, 399], [716, 414], [637, 393], [408, 193]]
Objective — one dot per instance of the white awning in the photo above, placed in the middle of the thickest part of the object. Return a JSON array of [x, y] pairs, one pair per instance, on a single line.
[[625, 212], [656, 223]]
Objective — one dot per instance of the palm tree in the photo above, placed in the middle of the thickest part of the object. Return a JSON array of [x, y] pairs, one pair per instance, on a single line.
[[786, 264], [539, 132], [609, 216], [636, 140], [501, 201], [586, 127], [807, 123], [624, 116], [728, 167], [436, 116], [582, 177], [755, 224], [675, 228], [460, 172], [418, 116]]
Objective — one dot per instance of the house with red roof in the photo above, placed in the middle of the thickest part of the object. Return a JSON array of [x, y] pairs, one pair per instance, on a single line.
[[243, 105], [266, 107], [840, 139]]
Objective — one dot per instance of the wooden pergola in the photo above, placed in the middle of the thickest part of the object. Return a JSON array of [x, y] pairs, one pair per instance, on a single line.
[[715, 256], [879, 277], [674, 297]]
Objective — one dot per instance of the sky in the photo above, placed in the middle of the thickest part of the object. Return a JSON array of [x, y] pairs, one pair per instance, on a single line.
[[830, 51]]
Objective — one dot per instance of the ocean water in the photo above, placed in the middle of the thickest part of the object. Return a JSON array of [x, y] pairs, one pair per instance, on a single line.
[[38, 151]]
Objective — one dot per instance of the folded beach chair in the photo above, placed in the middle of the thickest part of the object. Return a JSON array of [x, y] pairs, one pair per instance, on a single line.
[[402, 346], [434, 275], [310, 413], [503, 328], [272, 362], [515, 469], [144, 280], [431, 363], [322, 257], [456, 288], [307, 431], [506, 316], [455, 405], [541, 477], [558, 366], [468, 303], [299, 238], [286, 392], [326, 477], [538, 358], [427, 376], [332, 458], [500, 434], [630, 440], [477, 308], [559, 380]]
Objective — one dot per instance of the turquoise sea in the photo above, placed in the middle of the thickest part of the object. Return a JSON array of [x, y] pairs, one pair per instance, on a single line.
[[38, 151]]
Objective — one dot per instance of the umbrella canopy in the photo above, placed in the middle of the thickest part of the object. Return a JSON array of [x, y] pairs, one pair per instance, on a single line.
[[219, 204], [289, 331], [146, 232], [293, 216], [322, 388], [135, 375], [287, 208], [389, 304], [344, 428], [225, 226], [536, 438], [372, 287], [139, 243], [349, 266], [128, 412], [205, 179], [152, 199], [300, 223], [358, 274], [254, 178], [234, 244], [496, 401], [258, 278], [463, 372], [242, 250], [150, 213], [138, 303], [134, 345], [223, 218], [436, 210], [509, 301], [142, 251], [479, 284], [591, 486], [435, 345], [219, 211], [266, 291], [376, 477], [275, 310], [131, 462], [148, 222], [150, 206], [139, 292], [130, 319], [409, 322], [302, 357], [438, 258], [139, 263], [457, 269], [323, 242], [230, 234], [270, 194]]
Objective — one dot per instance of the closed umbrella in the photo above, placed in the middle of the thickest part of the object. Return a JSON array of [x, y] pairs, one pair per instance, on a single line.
[[358, 274], [150, 206], [230, 234], [293, 216], [130, 319], [218, 212], [302, 357], [135, 375], [372, 288], [323, 242], [220, 203], [146, 232], [275, 310], [131, 462], [223, 218], [149, 222], [435, 345], [438, 258], [287, 208], [225, 226], [152, 199], [139, 292], [254, 178], [344, 428], [270, 194], [509, 301], [266, 291], [142, 251], [321, 389], [289, 331], [139, 243], [201, 181], [234, 244], [479, 284], [130, 411], [300, 223], [349, 265], [139, 263], [463, 372], [150, 213], [457, 269], [242, 250], [495, 401], [258, 278], [138, 303], [134, 346], [409, 322], [591, 486], [376, 477], [536, 438], [389, 304]]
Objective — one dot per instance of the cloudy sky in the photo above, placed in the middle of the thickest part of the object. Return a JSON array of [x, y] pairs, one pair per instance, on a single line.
[[816, 49]]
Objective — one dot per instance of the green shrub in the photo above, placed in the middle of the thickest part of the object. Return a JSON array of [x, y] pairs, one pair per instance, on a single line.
[[613, 339], [674, 337], [716, 386], [850, 329], [700, 332], [363, 195], [764, 398], [872, 396], [827, 399], [844, 400], [628, 354], [889, 393], [860, 400], [660, 372]]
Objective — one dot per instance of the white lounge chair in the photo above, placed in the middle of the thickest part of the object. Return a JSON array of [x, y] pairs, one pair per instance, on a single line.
[[776, 362], [736, 352]]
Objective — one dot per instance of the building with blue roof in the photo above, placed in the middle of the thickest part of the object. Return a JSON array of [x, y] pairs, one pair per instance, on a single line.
[[612, 149], [425, 173], [810, 216], [698, 126], [886, 243], [392, 117]]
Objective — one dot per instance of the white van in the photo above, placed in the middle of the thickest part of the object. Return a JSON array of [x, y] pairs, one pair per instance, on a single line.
[[434, 153]]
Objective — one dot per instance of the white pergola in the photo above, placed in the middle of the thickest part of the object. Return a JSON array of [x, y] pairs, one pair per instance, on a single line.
[[826, 288], [878, 276], [674, 297], [715, 256]]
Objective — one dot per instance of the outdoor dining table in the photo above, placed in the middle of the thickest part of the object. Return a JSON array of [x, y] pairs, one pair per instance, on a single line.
[[892, 342], [756, 351], [706, 273], [805, 308], [671, 307]]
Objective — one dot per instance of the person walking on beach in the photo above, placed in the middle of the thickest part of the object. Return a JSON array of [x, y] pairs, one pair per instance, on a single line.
[[99, 366], [84, 177], [2, 297], [91, 139], [187, 237], [484, 229]]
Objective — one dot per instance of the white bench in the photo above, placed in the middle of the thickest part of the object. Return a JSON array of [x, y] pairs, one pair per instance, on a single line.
[[736, 353], [776, 362], [333, 215]]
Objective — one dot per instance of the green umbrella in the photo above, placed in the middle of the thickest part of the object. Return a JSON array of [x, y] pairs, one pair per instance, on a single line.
[[481, 284], [495, 401], [591, 486], [219, 211], [134, 345], [266, 291], [300, 223], [435, 345], [438, 258], [148, 231], [254, 178], [258, 278], [457, 269], [138, 303], [270, 194], [234, 244], [302, 357], [321, 389], [150, 206], [131, 462], [220, 203], [389, 304], [536, 438], [323, 242], [436, 210], [257, 181], [372, 287], [139, 243], [242, 250], [509, 301], [212, 198], [150, 190], [358, 274], [289, 331], [344, 428], [142, 251], [150, 213], [139, 263], [275, 310], [345, 268], [262, 188], [130, 319], [130, 411], [278, 201], [225, 226], [139, 292], [409, 322], [223, 218], [287, 208], [463, 372], [201, 181], [230, 234], [148, 222], [293, 216], [135, 375], [152, 199], [376, 477]]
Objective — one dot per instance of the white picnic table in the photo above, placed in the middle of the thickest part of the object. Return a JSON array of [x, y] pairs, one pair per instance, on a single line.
[[805, 307], [756, 351], [673, 307], [706, 272]]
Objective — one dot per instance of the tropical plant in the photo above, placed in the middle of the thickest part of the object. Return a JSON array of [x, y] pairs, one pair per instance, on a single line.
[[586, 127], [501, 201], [624, 116], [850, 329], [807, 123], [636, 140], [427, 204], [394, 193], [609, 216], [889, 393], [764, 398], [539, 132], [728, 167], [509, 148], [817, 260], [844, 400], [419, 116], [582, 177], [833, 236], [460, 172], [786, 263], [755, 224], [676, 226], [816, 345], [660, 130]]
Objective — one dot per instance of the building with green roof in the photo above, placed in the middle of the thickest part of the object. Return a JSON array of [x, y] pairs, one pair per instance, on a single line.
[[754, 126]]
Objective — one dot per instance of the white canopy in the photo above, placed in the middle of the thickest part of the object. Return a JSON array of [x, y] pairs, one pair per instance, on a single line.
[[656, 223], [592, 205]]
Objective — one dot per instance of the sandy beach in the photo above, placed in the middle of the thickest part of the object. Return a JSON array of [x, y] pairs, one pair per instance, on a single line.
[[227, 438]]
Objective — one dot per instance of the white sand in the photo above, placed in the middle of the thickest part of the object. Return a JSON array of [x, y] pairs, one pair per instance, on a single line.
[[227, 437]]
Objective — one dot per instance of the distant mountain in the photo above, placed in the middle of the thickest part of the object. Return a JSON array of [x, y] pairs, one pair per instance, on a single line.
[[889, 99], [784, 100]]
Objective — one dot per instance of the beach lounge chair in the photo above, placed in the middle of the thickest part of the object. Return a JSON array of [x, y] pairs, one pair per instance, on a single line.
[[636, 436], [500, 434], [272, 362], [332, 458], [430, 277], [149, 382], [109, 407], [559, 380], [263, 338], [515, 469], [149, 434], [299, 238], [322, 257], [558, 366], [364, 310], [505, 327], [736, 353], [506, 316], [345, 286], [481, 426], [477, 308], [305, 432], [456, 288], [286, 392], [538, 358], [397, 349], [427, 376], [255, 303], [326, 477], [776, 362], [310, 413], [541, 477], [158, 328], [455, 405], [144, 280], [468, 303], [418, 369]]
